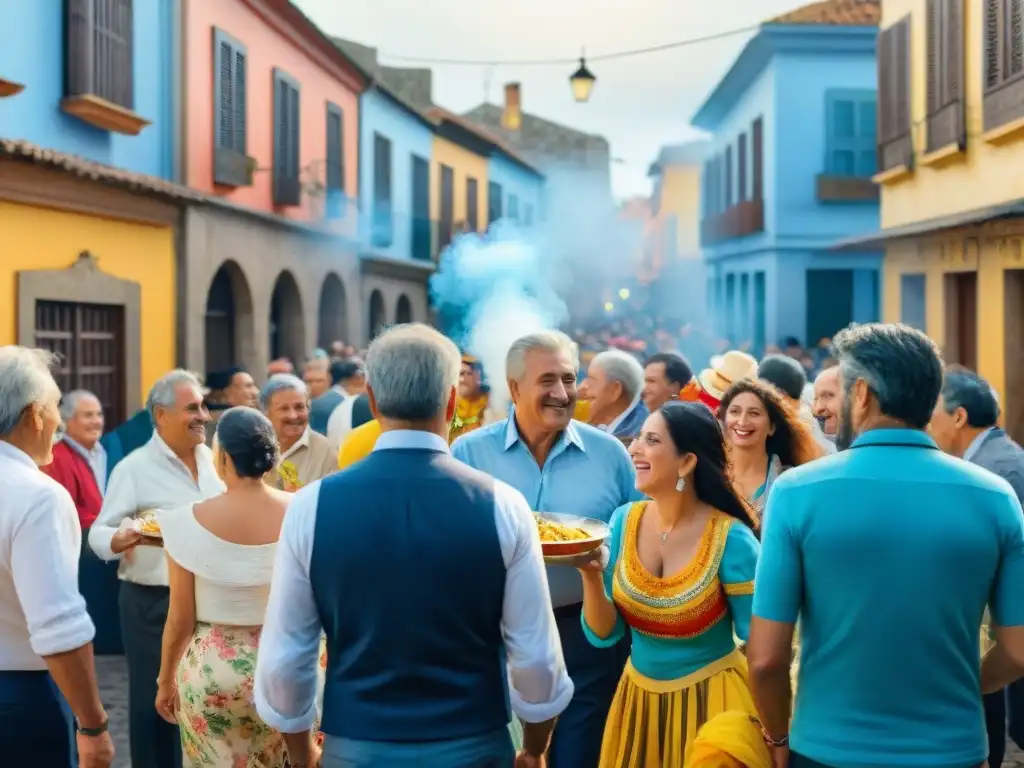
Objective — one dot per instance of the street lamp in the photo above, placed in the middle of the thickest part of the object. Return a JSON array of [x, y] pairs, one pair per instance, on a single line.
[[582, 82]]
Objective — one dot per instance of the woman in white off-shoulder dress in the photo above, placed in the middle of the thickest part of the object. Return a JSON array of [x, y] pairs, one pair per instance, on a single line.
[[220, 557]]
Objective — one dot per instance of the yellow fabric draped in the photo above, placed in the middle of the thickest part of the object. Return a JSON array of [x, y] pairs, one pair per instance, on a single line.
[[652, 722], [729, 740]]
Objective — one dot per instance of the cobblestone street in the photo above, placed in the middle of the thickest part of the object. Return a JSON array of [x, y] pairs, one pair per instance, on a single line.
[[113, 675]]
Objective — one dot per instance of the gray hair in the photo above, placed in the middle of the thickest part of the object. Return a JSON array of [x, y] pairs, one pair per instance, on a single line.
[[164, 393], [281, 382], [548, 341], [411, 369], [621, 367], [70, 402], [25, 378], [963, 388]]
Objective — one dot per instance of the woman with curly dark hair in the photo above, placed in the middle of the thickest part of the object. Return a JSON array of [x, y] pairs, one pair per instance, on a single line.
[[766, 437]]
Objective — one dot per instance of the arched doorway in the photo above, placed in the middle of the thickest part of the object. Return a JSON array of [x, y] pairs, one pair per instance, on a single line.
[[331, 323], [377, 319], [287, 334], [228, 319], [403, 312]]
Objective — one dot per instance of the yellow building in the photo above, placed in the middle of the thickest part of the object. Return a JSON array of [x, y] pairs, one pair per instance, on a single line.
[[458, 177], [951, 146], [89, 271], [675, 199]]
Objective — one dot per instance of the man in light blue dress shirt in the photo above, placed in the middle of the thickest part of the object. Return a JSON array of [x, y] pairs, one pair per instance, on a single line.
[[564, 466]]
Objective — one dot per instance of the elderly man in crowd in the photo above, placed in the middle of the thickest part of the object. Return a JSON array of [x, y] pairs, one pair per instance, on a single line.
[[560, 465], [788, 376], [666, 375], [826, 402], [173, 469], [46, 654], [80, 465], [317, 375], [965, 424], [416, 653], [614, 386], [887, 554], [285, 401]]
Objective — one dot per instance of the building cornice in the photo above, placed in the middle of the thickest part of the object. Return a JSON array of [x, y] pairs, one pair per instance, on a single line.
[[771, 40]]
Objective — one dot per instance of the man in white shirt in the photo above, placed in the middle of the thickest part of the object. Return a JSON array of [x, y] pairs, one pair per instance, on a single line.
[[46, 657], [173, 469], [787, 375], [428, 580]]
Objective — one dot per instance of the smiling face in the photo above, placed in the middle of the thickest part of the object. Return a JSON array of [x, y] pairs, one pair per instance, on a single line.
[[183, 424], [289, 413], [545, 397], [826, 400], [85, 427], [242, 391], [658, 390], [658, 466], [603, 393], [746, 422]]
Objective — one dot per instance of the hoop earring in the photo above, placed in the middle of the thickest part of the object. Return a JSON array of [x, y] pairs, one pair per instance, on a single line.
[[681, 484]]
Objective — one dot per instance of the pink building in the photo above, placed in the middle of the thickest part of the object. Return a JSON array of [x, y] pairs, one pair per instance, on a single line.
[[270, 131]]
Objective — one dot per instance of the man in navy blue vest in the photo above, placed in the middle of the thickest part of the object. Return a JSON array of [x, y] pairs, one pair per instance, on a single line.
[[428, 580], [560, 465]]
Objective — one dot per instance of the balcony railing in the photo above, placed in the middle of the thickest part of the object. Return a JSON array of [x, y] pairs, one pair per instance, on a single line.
[[742, 219], [846, 189]]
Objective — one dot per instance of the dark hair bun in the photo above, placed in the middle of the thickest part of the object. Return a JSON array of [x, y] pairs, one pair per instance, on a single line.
[[247, 436]]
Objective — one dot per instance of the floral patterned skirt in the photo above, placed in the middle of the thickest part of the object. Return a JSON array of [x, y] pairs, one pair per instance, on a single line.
[[216, 714]]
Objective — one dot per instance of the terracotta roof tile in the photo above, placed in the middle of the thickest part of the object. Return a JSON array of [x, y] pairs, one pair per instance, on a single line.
[[25, 151], [834, 12], [439, 113]]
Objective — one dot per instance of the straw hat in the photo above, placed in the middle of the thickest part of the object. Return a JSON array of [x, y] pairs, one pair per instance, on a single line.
[[731, 367]]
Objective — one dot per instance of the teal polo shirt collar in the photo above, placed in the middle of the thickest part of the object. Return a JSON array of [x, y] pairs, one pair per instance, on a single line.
[[896, 438]]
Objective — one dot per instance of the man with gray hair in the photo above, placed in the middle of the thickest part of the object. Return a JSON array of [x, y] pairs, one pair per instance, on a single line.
[[614, 386], [560, 465], [285, 401], [46, 653], [427, 578], [174, 469], [965, 424]]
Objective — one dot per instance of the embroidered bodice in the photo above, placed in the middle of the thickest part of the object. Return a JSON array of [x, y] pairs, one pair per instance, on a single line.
[[689, 619], [469, 415]]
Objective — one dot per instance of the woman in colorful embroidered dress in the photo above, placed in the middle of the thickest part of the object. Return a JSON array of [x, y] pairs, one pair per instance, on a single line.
[[766, 437], [680, 574], [220, 556]]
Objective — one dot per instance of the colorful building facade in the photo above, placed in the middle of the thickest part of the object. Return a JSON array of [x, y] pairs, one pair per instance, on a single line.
[[788, 170], [951, 116], [88, 252], [271, 134]]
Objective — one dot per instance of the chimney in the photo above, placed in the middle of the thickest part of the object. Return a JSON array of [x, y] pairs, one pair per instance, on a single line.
[[512, 117]]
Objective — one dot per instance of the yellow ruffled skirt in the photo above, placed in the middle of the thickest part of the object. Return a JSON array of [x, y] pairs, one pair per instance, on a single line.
[[651, 722]]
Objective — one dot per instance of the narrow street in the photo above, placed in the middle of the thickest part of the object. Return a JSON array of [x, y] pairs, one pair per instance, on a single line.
[[113, 675]]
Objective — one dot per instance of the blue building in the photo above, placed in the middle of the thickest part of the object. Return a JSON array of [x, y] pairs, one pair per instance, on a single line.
[[514, 191], [788, 173], [395, 149], [113, 103]]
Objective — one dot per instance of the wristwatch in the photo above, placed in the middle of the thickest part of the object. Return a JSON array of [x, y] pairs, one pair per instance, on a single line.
[[93, 732]]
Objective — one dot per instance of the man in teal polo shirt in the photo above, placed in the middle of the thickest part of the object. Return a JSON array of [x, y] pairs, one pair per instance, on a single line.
[[888, 553]]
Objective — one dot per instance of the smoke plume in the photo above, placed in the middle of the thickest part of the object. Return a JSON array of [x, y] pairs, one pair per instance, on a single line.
[[492, 289]]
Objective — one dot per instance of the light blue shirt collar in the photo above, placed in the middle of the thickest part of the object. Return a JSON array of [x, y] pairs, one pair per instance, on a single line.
[[411, 439], [570, 435], [975, 445]]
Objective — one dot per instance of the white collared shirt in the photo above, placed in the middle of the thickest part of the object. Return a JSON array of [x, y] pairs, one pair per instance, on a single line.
[[41, 611], [611, 426], [151, 477], [96, 458], [339, 425], [286, 671]]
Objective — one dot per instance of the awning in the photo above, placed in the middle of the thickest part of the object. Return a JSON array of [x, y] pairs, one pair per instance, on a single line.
[[875, 240]]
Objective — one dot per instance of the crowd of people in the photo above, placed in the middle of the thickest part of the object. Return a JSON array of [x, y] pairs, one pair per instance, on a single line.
[[343, 568]]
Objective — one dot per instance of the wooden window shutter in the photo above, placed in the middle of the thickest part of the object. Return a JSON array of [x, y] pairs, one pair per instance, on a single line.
[[895, 142], [286, 140], [99, 42], [902, 67], [728, 177], [993, 44], [334, 176], [946, 123], [230, 164], [240, 143], [1003, 98], [741, 168], [757, 159], [224, 92], [934, 54], [885, 95]]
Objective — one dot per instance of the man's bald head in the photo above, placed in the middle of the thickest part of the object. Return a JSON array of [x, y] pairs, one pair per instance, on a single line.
[[827, 400]]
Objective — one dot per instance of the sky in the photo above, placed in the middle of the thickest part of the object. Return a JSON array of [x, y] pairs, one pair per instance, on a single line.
[[639, 103]]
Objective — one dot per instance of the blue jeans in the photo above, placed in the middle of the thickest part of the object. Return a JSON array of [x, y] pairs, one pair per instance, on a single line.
[[491, 750], [36, 725]]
